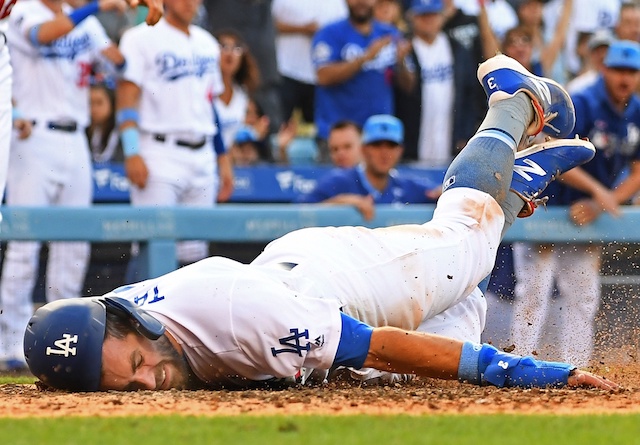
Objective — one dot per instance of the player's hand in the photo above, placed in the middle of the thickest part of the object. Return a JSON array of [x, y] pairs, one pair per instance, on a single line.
[[583, 379], [113, 5], [584, 212], [23, 127], [155, 9], [136, 170]]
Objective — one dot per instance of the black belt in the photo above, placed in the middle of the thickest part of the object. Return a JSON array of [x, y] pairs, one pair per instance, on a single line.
[[67, 127], [182, 143]]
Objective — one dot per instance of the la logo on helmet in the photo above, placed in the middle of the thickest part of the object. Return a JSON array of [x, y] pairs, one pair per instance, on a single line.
[[64, 346]]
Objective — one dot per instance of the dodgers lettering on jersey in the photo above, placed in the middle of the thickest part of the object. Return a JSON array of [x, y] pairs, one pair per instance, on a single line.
[[183, 69], [54, 79], [5, 8]]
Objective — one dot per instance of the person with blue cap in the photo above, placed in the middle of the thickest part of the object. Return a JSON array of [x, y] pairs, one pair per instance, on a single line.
[[374, 180], [608, 113]]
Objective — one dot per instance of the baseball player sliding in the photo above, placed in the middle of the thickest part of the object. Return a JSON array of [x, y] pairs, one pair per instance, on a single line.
[[337, 296]]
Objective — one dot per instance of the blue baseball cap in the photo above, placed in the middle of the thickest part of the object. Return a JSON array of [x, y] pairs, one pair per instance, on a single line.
[[383, 127], [426, 6], [623, 54], [245, 134]]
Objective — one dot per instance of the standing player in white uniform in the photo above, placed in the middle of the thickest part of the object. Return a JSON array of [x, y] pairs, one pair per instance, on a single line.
[[165, 113], [219, 322], [52, 48]]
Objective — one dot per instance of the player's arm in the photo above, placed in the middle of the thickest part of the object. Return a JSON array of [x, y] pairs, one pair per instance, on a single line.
[[113, 54], [409, 352], [127, 119], [51, 30]]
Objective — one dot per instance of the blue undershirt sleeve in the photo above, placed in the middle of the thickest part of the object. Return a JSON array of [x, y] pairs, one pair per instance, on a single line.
[[355, 339]]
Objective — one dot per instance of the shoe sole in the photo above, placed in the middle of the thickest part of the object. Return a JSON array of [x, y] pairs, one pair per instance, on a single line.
[[557, 143]]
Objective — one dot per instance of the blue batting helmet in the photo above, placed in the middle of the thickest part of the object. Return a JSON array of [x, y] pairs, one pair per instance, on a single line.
[[63, 339]]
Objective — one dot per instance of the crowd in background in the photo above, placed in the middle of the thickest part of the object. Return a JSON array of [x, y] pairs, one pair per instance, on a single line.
[[366, 85]]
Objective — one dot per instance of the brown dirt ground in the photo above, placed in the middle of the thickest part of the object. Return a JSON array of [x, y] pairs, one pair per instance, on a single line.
[[420, 397]]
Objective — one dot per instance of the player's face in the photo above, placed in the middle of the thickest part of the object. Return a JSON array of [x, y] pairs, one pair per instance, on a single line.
[[380, 157], [345, 148], [136, 363], [184, 11], [621, 83]]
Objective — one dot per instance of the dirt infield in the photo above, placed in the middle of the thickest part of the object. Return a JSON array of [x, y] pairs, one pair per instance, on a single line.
[[418, 397]]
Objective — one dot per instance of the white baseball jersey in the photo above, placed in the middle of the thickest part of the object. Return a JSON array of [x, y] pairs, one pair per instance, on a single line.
[[53, 84], [179, 76], [259, 321]]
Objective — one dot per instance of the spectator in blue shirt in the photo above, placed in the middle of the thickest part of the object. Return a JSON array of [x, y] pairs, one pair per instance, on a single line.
[[374, 181], [357, 61]]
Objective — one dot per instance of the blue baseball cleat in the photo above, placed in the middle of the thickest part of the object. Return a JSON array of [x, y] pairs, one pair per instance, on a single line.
[[503, 77], [535, 167]]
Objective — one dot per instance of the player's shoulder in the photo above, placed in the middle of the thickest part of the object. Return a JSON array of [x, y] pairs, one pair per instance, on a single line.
[[203, 35], [27, 9]]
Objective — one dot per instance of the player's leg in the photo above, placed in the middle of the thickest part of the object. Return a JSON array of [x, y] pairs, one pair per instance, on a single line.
[[579, 286], [68, 261], [5, 122], [199, 193], [29, 183], [535, 266]]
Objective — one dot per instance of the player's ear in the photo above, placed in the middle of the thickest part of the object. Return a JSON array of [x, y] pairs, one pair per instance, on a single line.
[[141, 320]]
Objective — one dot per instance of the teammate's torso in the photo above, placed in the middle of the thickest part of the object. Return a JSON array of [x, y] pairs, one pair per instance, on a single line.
[[179, 75], [51, 81]]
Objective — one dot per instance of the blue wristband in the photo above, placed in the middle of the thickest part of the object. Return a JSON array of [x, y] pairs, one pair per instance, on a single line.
[[508, 370], [127, 114], [16, 113], [130, 138], [468, 367], [83, 12]]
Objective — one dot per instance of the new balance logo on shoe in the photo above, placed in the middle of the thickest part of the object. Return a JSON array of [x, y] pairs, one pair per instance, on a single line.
[[531, 167], [543, 89]]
